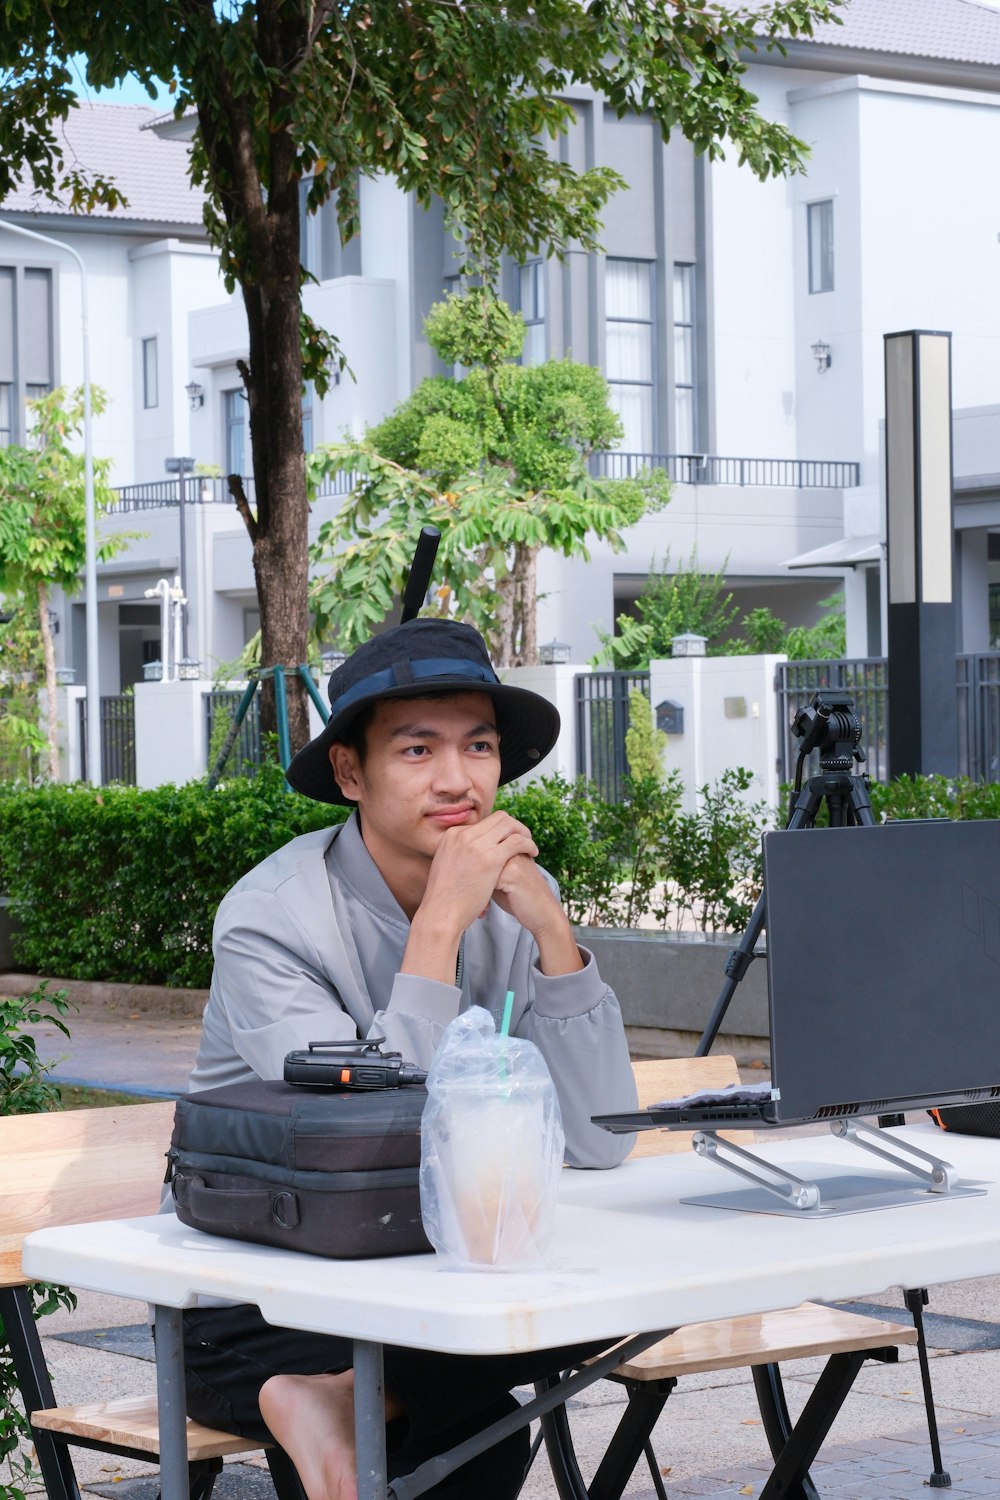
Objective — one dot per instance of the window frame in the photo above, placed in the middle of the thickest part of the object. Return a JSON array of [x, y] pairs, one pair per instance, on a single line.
[[532, 273], [650, 385], [150, 373], [820, 247], [24, 362], [234, 419]]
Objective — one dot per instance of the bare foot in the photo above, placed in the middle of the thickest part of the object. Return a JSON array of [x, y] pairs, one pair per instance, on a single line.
[[312, 1417]]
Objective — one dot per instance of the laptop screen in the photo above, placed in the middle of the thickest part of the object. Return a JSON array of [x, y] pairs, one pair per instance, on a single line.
[[883, 957]]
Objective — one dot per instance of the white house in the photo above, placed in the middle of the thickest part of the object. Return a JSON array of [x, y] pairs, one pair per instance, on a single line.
[[739, 324]]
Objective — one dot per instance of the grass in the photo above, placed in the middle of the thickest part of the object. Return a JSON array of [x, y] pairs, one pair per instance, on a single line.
[[77, 1096]]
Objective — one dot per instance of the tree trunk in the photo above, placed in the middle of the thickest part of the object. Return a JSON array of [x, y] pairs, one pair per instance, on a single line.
[[524, 574], [273, 379], [48, 652]]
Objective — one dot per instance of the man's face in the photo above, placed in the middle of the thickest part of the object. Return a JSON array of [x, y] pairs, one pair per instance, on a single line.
[[431, 764]]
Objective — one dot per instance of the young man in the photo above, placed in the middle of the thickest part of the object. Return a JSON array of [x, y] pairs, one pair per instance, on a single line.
[[424, 902]]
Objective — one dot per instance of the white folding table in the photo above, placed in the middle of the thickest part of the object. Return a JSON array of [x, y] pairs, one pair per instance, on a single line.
[[629, 1257]]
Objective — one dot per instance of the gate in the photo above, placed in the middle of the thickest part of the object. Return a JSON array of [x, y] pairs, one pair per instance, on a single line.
[[601, 725], [117, 739], [865, 679], [978, 678], [220, 709]]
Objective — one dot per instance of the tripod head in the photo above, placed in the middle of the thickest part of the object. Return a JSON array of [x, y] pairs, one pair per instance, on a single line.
[[830, 726]]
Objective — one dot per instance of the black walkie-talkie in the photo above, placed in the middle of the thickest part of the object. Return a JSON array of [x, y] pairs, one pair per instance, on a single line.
[[350, 1065]]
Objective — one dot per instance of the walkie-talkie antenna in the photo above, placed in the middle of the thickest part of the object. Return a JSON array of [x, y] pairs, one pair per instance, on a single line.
[[419, 578]]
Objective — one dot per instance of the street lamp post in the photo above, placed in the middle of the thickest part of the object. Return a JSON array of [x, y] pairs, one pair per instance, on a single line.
[[182, 467], [93, 736]]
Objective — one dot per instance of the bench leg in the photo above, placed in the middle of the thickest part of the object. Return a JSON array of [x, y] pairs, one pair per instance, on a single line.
[[789, 1476], [32, 1377], [646, 1400], [777, 1422], [554, 1426], [628, 1444]]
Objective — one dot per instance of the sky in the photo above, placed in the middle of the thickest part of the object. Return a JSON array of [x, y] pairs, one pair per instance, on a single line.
[[129, 92]]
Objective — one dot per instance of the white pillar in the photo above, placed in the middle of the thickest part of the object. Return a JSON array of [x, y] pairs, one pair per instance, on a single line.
[[730, 719], [558, 685], [171, 741]]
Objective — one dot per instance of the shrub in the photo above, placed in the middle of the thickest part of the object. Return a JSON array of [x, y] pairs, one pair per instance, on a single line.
[[122, 884]]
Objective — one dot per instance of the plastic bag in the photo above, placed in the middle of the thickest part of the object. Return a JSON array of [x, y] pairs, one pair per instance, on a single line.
[[491, 1148]]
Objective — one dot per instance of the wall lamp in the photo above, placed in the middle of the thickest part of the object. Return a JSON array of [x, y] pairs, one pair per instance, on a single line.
[[195, 394], [821, 354]]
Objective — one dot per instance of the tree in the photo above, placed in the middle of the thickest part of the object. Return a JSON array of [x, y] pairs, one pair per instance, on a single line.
[[457, 102], [685, 602], [497, 461], [763, 631], [43, 525]]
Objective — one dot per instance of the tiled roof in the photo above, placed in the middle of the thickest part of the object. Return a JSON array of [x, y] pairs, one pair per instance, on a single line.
[[150, 172], [955, 31]]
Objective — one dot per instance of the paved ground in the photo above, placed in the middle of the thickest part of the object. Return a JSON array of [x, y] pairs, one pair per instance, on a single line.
[[709, 1442]]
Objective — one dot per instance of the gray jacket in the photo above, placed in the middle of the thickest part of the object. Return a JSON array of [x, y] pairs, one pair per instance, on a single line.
[[308, 947]]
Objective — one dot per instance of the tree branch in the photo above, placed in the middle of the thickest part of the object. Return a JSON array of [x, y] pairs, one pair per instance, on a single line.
[[235, 483]]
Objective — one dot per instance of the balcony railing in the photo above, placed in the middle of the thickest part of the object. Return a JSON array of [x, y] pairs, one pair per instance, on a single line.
[[201, 490], [683, 468], [709, 468]]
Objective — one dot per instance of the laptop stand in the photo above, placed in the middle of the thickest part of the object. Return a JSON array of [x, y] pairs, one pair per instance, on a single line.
[[920, 1177]]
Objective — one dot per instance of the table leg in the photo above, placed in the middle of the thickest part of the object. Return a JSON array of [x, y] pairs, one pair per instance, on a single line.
[[170, 1404], [369, 1420]]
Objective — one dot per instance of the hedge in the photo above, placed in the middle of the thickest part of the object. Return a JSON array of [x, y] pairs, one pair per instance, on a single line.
[[123, 884]]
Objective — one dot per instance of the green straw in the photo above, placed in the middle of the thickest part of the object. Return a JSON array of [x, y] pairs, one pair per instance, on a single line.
[[508, 1007]]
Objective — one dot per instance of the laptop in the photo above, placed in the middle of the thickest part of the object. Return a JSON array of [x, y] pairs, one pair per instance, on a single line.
[[883, 968]]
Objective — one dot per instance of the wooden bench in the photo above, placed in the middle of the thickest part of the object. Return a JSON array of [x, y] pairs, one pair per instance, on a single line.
[[759, 1342], [73, 1167]]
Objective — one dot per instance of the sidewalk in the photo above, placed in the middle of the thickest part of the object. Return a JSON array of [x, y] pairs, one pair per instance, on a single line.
[[709, 1442]]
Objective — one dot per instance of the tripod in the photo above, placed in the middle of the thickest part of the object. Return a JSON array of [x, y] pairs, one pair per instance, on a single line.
[[830, 726]]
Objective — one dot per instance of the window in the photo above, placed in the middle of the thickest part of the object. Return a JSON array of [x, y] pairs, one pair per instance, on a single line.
[[150, 374], [309, 232], [26, 353], [308, 397], [234, 409], [628, 302], [685, 416], [820, 224], [533, 312]]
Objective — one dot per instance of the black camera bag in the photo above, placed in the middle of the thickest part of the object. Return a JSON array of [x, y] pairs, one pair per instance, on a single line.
[[968, 1119], [331, 1173]]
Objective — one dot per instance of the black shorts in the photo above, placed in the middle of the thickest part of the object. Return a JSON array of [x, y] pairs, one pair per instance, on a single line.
[[229, 1352]]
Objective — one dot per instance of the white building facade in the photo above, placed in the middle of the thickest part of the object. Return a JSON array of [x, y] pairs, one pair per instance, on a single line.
[[740, 326]]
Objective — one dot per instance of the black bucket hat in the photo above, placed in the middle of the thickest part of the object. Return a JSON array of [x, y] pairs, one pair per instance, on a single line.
[[412, 661]]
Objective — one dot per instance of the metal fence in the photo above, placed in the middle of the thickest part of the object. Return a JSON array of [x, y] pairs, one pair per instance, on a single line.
[[220, 708], [978, 683], [865, 679], [601, 725], [201, 489], [117, 739], [710, 468]]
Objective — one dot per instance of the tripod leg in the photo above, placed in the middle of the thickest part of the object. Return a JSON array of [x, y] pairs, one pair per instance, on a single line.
[[281, 714], [739, 960], [916, 1299], [242, 709]]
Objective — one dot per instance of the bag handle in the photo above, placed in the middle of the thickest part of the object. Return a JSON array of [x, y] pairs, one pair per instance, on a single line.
[[243, 1206]]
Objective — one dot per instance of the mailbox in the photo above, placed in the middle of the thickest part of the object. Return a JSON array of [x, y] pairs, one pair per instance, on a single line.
[[670, 717]]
